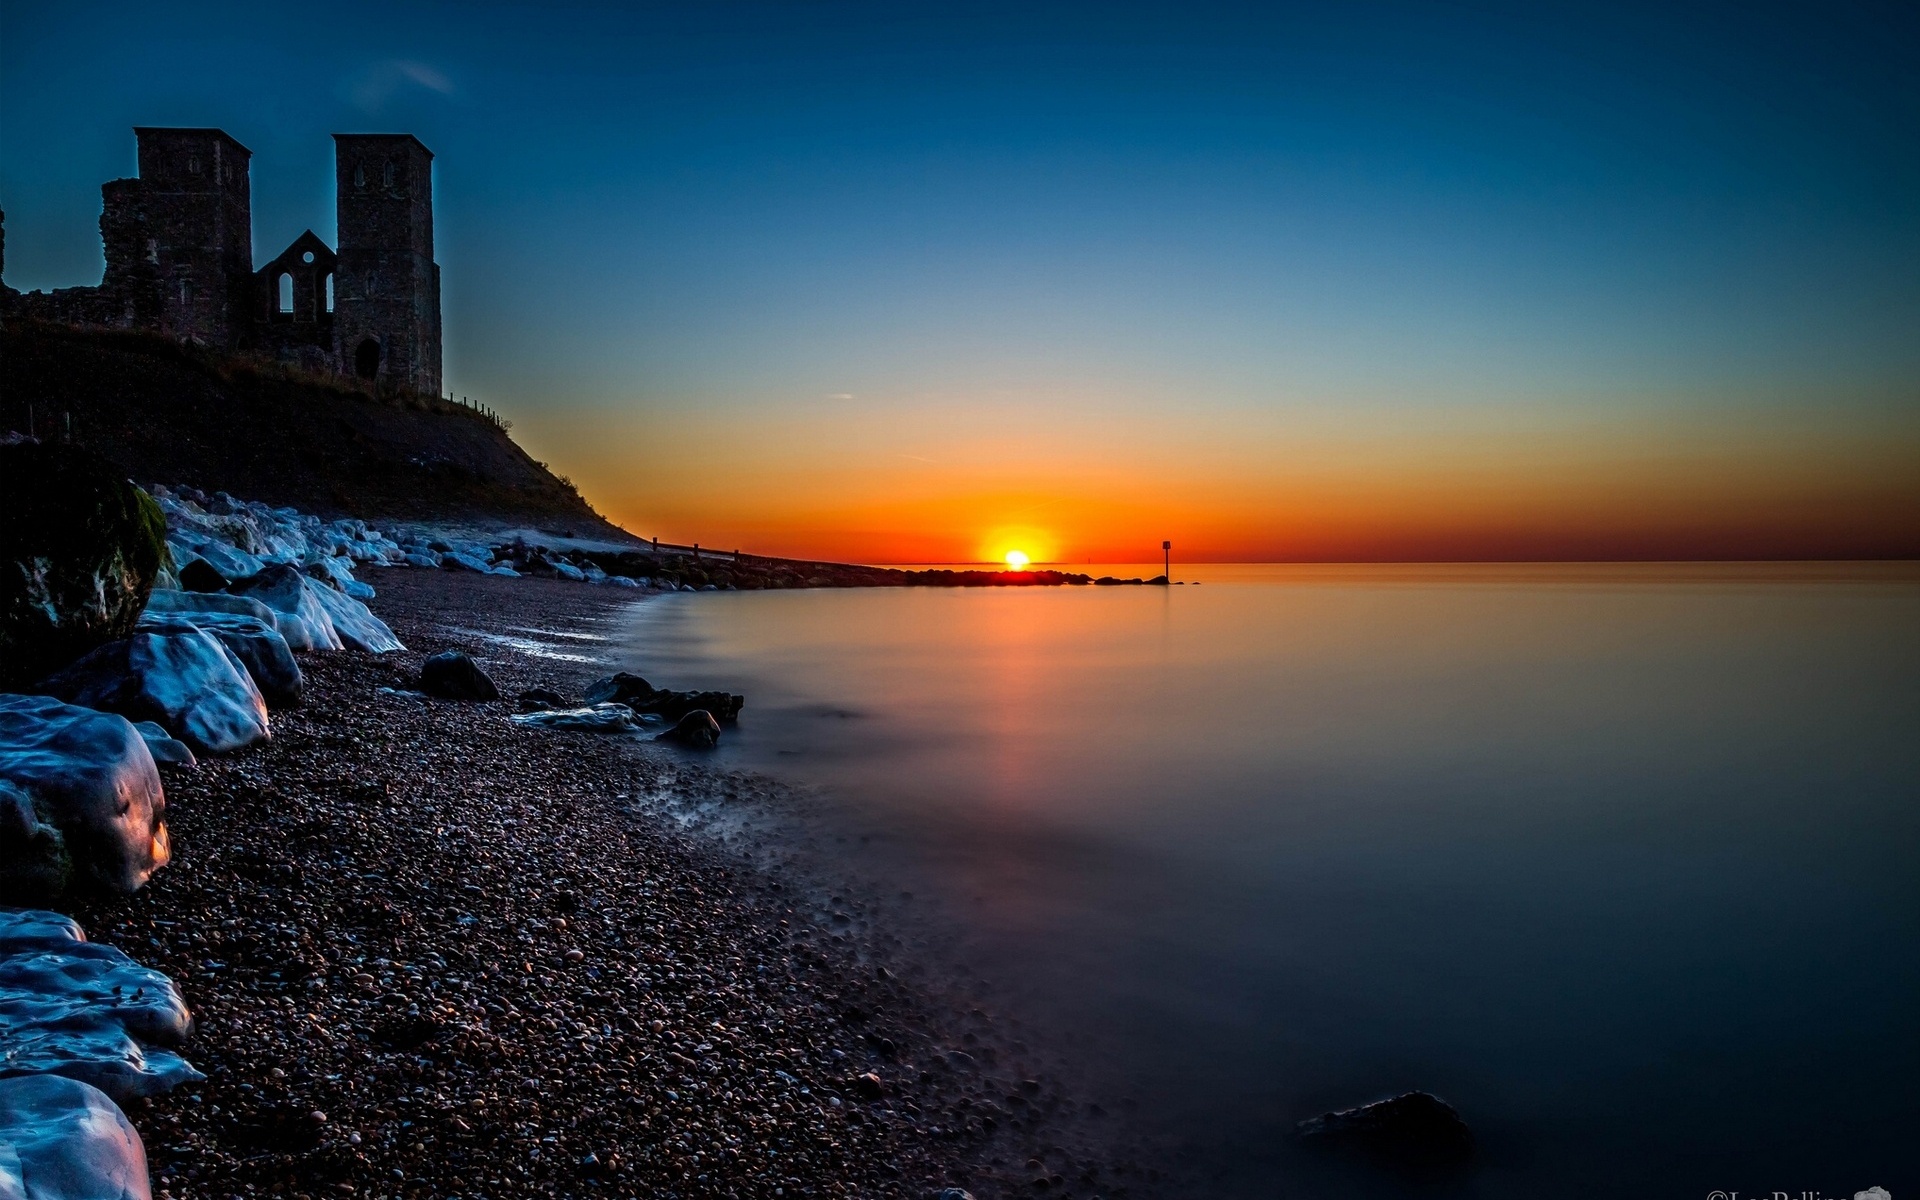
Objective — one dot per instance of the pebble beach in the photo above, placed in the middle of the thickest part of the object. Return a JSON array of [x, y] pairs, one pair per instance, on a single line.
[[434, 953]]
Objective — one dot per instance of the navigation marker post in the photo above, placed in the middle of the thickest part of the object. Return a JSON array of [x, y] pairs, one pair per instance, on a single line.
[[1166, 560]]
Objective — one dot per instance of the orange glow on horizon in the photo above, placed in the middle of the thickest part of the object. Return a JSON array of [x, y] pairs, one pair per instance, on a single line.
[[1067, 489]]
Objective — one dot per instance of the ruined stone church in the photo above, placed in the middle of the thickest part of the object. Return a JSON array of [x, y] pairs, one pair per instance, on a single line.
[[179, 251]]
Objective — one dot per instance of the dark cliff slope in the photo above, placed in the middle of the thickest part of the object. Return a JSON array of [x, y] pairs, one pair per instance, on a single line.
[[173, 414]]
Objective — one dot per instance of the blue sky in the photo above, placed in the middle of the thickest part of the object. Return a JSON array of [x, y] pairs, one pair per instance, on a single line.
[[1074, 232]]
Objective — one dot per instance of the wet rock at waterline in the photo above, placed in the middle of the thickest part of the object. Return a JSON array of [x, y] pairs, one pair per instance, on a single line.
[[594, 718], [175, 673], [79, 550], [66, 1140], [539, 700], [697, 730], [1415, 1130], [453, 675], [642, 697], [89, 777]]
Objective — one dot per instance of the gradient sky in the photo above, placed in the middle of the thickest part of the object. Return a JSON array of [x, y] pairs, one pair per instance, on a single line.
[[927, 282]]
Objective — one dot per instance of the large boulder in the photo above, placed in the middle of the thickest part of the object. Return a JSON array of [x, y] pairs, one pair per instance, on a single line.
[[256, 643], [295, 601], [642, 697], [452, 675], [354, 622], [173, 672], [1415, 1130], [88, 778], [61, 1139], [79, 549]]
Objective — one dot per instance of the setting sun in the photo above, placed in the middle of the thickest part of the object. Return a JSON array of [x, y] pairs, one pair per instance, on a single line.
[[1017, 560]]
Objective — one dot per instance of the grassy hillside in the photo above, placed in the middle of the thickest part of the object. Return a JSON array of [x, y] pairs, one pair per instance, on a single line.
[[175, 414]]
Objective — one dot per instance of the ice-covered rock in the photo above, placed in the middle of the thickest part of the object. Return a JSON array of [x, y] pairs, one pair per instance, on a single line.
[[295, 600], [61, 1139], [165, 600], [176, 673], [622, 581], [355, 624], [257, 643], [329, 569], [358, 590], [89, 777], [567, 570], [79, 549], [229, 562], [165, 748], [71, 1007], [415, 559], [24, 929], [455, 560], [595, 718], [593, 573]]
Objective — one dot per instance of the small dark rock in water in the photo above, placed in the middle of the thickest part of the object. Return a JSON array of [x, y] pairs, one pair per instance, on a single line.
[[201, 576], [451, 675], [697, 729], [540, 700], [1414, 1130], [642, 697]]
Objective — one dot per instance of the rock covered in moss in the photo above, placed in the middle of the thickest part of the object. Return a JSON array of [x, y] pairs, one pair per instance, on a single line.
[[79, 549]]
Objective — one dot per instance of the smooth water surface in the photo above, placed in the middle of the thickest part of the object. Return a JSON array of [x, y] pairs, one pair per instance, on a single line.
[[1622, 861]]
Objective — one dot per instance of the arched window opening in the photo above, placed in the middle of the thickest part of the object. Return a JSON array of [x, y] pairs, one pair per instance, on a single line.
[[327, 297], [366, 359], [193, 164], [359, 176], [286, 292], [387, 175]]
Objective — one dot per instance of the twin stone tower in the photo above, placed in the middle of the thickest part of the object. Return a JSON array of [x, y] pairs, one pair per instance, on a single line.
[[179, 251]]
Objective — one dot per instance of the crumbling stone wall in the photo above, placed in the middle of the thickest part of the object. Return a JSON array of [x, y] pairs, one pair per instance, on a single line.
[[178, 242]]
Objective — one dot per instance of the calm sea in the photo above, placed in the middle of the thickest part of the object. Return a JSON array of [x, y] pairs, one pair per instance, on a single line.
[[1624, 862]]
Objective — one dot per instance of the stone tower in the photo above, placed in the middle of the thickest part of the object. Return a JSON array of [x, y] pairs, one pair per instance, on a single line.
[[179, 239], [386, 312]]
